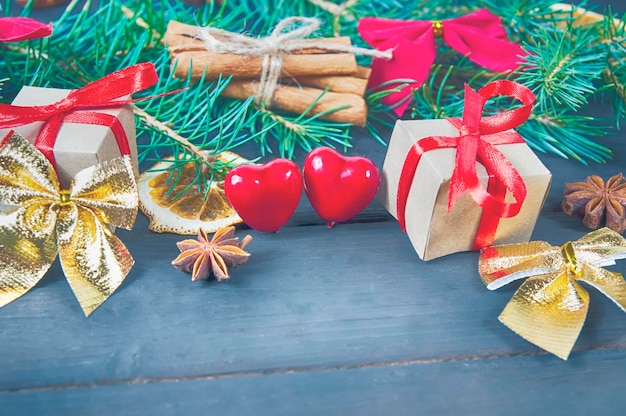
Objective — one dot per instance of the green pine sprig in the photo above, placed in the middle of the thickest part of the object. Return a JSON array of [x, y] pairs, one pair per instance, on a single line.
[[545, 133], [563, 69], [567, 67], [614, 40]]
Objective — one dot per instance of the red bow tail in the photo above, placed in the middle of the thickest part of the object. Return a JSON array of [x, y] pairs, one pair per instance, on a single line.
[[16, 29]]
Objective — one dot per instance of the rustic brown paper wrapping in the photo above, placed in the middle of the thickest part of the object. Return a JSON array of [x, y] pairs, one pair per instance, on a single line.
[[77, 146], [432, 231]]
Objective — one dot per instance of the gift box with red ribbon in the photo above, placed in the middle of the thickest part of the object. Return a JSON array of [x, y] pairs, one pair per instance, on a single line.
[[76, 129], [463, 184], [78, 146]]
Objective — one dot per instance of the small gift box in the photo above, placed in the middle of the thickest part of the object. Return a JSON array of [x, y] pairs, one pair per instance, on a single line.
[[78, 146], [75, 129], [458, 185]]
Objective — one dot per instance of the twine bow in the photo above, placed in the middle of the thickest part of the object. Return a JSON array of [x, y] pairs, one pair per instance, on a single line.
[[550, 307], [71, 222], [15, 29], [479, 35], [476, 143], [77, 107], [273, 47]]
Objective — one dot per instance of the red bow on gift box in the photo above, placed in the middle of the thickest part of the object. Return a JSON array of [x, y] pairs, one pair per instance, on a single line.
[[15, 29], [476, 143], [479, 35], [77, 107]]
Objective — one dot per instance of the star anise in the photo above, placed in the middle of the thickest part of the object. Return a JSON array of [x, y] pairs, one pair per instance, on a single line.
[[594, 199], [204, 256]]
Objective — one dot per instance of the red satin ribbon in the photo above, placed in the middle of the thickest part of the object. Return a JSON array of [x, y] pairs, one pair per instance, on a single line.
[[15, 29], [476, 143], [76, 107], [479, 35]]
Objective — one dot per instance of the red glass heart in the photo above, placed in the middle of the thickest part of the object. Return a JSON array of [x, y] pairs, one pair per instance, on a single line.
[[264, 196], [339, 187]]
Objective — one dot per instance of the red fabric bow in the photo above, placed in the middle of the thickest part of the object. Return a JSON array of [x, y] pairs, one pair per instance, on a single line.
[[476, 143], [75, 108], [15, 29], [479, 35]]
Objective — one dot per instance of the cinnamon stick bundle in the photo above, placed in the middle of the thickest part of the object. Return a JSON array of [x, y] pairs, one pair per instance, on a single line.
[[305, 73], [184, 47]]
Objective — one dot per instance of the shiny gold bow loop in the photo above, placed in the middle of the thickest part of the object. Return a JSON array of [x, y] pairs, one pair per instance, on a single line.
[[550, 307], [72, 223]]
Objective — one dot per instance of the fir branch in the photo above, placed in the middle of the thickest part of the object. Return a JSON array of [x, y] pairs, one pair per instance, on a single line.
[[379, 112], [153, 123], [614, 39], [441, 95], [562, 69], [567, 135], [89, 42], [525, 19], [337, 12], [302, 131], [436, 98], [205, 122], [131, 15]]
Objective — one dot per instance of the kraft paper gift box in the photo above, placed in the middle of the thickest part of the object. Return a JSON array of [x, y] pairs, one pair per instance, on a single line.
[[435, 232], [77, 146]]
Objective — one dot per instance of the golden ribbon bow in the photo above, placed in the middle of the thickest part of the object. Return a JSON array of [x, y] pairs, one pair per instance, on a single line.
[[72, 223], [550, 307]]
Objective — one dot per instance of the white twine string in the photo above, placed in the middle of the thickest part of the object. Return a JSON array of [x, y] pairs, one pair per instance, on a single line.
[[337, 10], [334, 8], [273, 47]]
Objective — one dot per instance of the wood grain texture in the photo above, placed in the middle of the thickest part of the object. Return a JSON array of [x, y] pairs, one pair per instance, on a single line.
[[495, 385], [319, 321], [309, 296]]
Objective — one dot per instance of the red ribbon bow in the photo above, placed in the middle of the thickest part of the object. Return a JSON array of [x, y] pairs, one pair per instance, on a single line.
[[15, 29], [103, 93], [476, 143], [479, 35]]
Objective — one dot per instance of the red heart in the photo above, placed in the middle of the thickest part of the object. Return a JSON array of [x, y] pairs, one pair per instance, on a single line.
[[339, 187], [264, 196]]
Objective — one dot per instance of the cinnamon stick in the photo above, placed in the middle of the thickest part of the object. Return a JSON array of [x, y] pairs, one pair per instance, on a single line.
[[582, 16], [306, 62], [348, 85], [40, 4], [356, 84], [363, 72], [297, 100]]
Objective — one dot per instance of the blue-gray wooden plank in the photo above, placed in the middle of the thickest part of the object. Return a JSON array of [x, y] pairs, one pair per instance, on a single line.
[[589, 384], [308, 296]]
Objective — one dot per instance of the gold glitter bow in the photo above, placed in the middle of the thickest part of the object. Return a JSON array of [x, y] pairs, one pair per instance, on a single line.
[[72, 223], [550, 307]]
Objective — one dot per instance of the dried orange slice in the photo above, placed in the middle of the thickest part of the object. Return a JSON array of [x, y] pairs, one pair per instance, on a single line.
[[169, 211]]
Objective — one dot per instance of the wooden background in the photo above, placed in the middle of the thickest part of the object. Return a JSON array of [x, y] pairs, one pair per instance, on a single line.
[[319, 321]]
